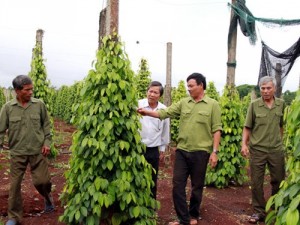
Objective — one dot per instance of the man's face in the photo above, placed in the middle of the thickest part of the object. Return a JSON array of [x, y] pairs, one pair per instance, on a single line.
[[25, 94], [267, 90], [153, 94], [194, 89]]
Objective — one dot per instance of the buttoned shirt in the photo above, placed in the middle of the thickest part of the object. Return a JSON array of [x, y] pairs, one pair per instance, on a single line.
[[198, 121], [265, 124], [154, 132], [28, 128]]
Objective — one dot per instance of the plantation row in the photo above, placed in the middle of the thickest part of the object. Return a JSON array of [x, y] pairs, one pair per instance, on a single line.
[[107, 177]]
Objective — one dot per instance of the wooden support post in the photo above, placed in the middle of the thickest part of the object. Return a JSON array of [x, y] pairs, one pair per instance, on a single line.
[[108, 20], [278, 80], [168, 87], [112, 16], [39, 39], [232, 40], [102, 27]]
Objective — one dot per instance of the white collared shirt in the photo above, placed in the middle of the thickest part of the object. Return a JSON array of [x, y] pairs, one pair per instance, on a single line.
[[155, 132]]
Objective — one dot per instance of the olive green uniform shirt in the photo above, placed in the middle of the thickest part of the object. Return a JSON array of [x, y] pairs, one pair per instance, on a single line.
[[198, 121], [28, 128], [265, 124]]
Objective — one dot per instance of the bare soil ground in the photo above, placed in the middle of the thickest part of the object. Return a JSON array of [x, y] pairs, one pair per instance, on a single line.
[[229, 206]]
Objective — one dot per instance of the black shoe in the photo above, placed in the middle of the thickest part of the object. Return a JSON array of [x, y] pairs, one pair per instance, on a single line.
[[49, 205], [256, 217]]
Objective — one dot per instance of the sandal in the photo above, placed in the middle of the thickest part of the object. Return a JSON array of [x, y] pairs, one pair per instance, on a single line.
[[174, 223], [256, 217], [193, 222], [177, 223]]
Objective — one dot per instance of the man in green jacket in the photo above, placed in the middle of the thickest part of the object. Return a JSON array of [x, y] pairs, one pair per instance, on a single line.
[[198, 143], [262, 138], [27, 123]]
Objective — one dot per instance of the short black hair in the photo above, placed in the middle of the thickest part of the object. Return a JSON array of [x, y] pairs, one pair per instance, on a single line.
[[21, 80], [199, 79], [156, 84]]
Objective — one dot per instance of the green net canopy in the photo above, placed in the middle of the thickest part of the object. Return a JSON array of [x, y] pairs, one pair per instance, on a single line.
[[244, 17]]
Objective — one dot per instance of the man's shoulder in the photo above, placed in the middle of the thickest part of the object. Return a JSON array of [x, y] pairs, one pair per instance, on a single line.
[[9, 104], [279, 101], [257, 101], [210, 100], [36, 100]]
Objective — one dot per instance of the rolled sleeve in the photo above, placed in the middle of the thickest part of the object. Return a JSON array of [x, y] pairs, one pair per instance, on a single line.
[[216, 118]]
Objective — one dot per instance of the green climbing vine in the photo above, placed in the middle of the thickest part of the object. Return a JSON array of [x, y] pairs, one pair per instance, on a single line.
[[143, 79], [211, 91], [284, 206], [177, 94], [109, 179], [2, 97], [231, 164], [42, 88]]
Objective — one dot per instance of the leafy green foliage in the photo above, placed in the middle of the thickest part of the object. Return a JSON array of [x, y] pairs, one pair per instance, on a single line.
[[289, 96], [245, 104], [143, 79], [231, 164], [2, 97], [10, 96], [42, 89], [245, 89], [38, 75], [109, 179], [65, 98], [177, 94], [284, 206], [211, 91]]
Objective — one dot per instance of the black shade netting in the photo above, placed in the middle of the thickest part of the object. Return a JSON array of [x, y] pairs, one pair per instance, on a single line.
[[278, 64]]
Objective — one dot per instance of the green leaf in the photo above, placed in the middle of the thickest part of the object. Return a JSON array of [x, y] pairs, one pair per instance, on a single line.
[[270, 202], [295, 203], [116, 219], [77, 215], [136, 211], [83, 211], [91, 220], [109, 164], [292, 217], [97, 183]]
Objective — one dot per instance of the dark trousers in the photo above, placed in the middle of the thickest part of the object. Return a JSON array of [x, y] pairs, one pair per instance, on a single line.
[[258, 162], [187, 164], [40, 177], [152, 157]]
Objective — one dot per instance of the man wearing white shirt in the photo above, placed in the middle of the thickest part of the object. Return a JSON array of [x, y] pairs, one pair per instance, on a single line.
[[155, 133]]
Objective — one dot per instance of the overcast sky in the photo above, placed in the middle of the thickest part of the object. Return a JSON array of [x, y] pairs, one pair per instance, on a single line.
[[198, 31]]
